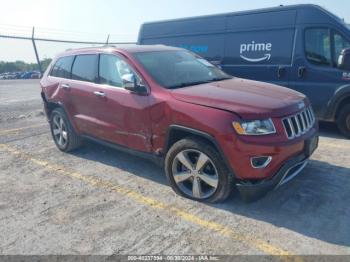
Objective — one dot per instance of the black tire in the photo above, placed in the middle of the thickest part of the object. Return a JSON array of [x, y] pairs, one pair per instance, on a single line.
[[343, 120], [225, 178], [73, 141]]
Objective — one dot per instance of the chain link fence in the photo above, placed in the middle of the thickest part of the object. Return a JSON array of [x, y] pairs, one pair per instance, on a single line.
[[46, 42]]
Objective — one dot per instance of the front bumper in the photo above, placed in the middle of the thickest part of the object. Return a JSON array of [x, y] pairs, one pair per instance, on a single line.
[[251, 191]]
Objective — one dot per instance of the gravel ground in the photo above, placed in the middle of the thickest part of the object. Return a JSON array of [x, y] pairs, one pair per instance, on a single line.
[[101, 201]]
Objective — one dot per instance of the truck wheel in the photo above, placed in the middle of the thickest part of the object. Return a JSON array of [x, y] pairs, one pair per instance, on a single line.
[[66, 139], [195, 170], [343, 120]]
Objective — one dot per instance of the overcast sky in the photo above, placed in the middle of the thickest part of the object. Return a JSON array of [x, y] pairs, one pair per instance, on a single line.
[[94, 19]]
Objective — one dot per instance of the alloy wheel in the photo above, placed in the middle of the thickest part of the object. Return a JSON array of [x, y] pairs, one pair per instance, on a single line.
[[59, 130], [195, 174]]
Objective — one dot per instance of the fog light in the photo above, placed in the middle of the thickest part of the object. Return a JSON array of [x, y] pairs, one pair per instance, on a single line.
[[260, 161]]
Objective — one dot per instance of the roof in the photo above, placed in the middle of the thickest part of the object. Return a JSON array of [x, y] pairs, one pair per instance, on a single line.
[[261, 10], [127, 48], [275, 17]]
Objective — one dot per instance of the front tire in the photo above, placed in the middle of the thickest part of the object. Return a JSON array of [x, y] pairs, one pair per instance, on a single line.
[[66, 139], [195, 170], [343, 120]]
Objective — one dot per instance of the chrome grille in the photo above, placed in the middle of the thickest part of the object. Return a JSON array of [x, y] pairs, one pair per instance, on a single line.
[[298, 124]]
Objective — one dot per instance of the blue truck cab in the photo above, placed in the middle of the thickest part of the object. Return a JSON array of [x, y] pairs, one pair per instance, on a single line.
[[303, 47]]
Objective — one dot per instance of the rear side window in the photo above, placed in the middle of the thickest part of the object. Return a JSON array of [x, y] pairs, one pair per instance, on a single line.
[[317, 46], [85, 68], [62, 67]]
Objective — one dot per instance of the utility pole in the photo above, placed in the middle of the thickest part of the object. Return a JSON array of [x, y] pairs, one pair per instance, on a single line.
[[36, 52]]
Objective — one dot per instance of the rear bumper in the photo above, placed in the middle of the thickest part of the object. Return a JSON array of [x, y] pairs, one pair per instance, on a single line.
[[252, 191]]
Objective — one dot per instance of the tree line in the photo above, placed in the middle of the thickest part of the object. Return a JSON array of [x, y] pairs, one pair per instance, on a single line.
[[21, 66]]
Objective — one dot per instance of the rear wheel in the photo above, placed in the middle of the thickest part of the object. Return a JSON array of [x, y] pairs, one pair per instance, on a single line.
[[196, 171], [343, 120], [62, 131]]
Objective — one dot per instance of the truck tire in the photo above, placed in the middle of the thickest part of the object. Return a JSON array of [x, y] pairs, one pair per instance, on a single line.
[[66, 139], [195, 170], [343, 120]]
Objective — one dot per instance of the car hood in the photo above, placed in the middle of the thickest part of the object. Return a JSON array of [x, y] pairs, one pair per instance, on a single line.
[[247, 98]]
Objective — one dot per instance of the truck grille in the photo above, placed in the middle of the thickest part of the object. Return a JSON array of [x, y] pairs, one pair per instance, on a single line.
[[298, 124]]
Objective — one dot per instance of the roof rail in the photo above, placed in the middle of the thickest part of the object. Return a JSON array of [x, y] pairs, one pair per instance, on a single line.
[[88, 47], [109, 45]]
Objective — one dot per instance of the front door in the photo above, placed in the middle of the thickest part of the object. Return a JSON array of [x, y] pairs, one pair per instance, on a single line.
[[315, 71], [125, 114]]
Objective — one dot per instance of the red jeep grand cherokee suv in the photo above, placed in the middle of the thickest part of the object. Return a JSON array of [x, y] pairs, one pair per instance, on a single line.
[[211, 131]]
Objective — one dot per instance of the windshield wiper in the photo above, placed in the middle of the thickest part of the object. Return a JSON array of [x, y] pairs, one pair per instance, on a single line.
[[198, 82], [220, 78], [189, 84]]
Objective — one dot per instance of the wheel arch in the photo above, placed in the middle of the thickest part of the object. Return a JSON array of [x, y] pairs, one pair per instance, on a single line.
[[51, 105], [340, 98], [344, 101], [177, 132]]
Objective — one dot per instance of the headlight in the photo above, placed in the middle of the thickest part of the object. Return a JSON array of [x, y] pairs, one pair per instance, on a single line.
[[254, 127]]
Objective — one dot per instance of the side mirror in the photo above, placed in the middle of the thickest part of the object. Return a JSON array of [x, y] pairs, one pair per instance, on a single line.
[[130, 83], [344, 59]]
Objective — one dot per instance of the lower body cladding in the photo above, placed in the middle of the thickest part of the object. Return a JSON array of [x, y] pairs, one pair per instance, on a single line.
[[252, 190]]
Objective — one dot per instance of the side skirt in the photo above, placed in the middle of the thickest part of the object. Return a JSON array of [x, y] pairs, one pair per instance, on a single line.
[[158, 160]]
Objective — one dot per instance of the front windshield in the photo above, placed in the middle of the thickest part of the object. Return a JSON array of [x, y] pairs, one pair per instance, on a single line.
[[175, 69]]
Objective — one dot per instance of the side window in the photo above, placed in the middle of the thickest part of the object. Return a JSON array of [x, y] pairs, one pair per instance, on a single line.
[[62, 67], [340, 43], [112, 68], [317, 46], [85, 68]]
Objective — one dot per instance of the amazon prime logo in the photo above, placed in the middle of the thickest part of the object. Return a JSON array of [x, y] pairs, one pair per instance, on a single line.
[[247, 51]]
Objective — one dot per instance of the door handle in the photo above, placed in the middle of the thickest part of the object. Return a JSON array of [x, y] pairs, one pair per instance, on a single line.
[[280, 72], [100, 94], [301, 71], [65, 86]]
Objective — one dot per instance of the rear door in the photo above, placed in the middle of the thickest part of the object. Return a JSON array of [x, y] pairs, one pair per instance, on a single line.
[[315, 71], [82, 100]]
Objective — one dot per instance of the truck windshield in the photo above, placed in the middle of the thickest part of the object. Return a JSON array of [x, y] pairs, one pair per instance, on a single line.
[[176, 69]]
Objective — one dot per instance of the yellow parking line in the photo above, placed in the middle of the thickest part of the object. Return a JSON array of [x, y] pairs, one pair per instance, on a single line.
[[15, 130], [155, 204]]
